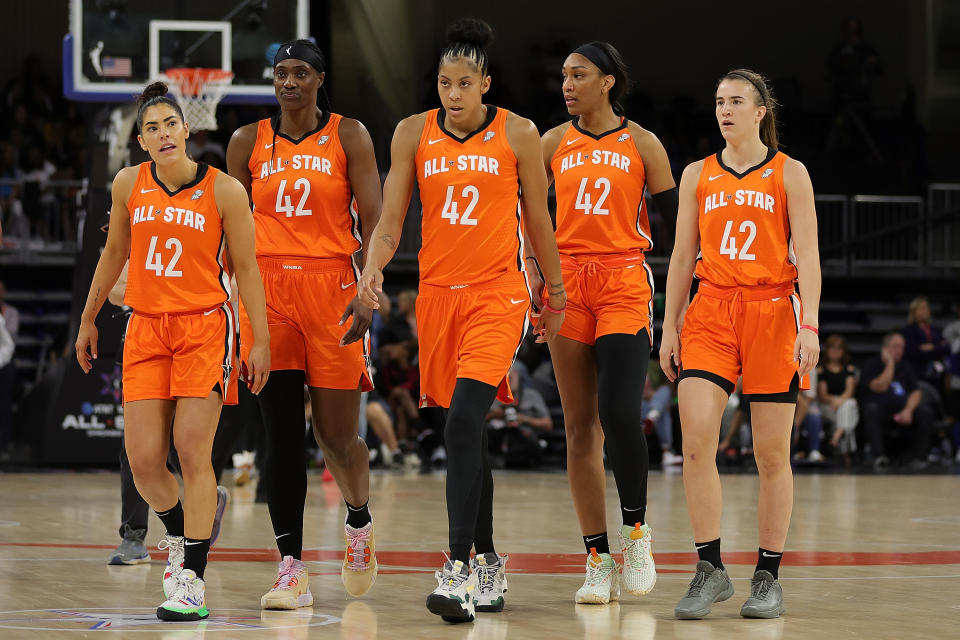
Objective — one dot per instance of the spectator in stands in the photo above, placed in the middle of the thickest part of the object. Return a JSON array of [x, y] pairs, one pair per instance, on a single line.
[[512, 428], [951, 333], [926, 349], [7, 384], [402, 323], [657, 408], [399, 384], [891, 406], [836, 386], [11, 315], [808, 423]]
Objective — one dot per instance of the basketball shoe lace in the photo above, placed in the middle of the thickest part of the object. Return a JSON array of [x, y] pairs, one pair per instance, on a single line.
[[286, 573], [760, 588], [637, 551], [358, 550], [487, 577], [696, 585], [451, 579], [598, 572]]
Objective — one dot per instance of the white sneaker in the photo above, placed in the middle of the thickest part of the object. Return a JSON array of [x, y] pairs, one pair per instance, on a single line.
[[671, 458], [174, 547], [292, 588], [186, 603], [815, 456], [639, 570], [490, 570], [453, 599], [602, 583]]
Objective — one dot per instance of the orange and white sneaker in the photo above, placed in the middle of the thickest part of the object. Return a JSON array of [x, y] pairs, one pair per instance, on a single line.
[[360, 561], [292, 588], [602, 582], [639, 570]]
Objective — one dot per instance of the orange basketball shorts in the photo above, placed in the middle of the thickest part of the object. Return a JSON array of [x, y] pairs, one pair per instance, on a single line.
[[470, 331], [181, 355], [606, 294], [730, 332], [305, 299]]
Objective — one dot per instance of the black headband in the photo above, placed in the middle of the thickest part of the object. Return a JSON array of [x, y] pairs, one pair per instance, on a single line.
[[737, 74], [597, 56], [299, 52]]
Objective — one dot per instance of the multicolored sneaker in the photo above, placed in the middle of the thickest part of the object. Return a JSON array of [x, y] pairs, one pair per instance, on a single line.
[[222, 499], [359, 570], [132, 550], [453, 599], [639, 570], [602, 583], [292, 588], [490, 570], [174, 547], [186, 603]]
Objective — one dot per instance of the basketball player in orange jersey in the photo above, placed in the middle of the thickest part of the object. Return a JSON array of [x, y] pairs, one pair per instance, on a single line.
[[602, 163], [749, 210], [176, 219], [472, 162], [302, 168]]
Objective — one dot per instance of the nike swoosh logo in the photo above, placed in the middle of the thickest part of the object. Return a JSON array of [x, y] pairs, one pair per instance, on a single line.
[[512, 301], [281, 535], [349, 284], [771, 555], [190, 544], [712, 178], [701, 546], [435, 141], [267, 146], [146, 190], [594, 538], [570, 142], [206, 313]]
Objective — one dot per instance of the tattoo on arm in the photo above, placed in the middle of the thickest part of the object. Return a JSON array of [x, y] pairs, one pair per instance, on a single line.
[[389, 241], [556, 288]]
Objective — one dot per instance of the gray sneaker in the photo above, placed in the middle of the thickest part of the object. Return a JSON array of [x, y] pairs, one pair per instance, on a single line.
[[766, 597], [132, 550], [709, 585]]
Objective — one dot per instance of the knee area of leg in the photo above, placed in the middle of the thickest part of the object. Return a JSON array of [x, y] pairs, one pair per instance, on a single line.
[[770, 463]]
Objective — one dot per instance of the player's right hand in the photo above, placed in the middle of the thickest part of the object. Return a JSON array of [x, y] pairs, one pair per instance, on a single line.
[[670, 353], [370, 287], [258, 366], [87, 337]]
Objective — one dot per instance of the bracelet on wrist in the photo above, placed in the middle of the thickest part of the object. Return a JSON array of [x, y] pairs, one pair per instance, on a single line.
[[810, 327], [546, 307]]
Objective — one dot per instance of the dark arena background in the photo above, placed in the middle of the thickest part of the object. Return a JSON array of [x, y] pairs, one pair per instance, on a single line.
[[870, 95]]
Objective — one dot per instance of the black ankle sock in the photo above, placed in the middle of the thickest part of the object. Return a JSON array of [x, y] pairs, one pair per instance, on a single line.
[[195, 555], [710, 551], [290, 544], [769, 561], [597, 541], [632, 516], [358, 517], [172, 519], [483, 545]]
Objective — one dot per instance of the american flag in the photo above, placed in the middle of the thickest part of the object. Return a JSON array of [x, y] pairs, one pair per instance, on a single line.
[[116, 67]]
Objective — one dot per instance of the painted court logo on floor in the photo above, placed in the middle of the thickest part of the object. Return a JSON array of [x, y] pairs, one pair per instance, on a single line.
[[129, 620]]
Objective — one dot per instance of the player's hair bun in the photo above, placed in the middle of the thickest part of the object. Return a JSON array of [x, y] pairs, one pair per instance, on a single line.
[[470, 31], [154, 90]]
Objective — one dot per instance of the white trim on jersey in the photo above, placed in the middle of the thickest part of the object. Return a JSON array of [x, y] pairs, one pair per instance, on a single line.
[[791, 254], [354, 220], [224, 276], [639, 230], [649, 271], [367, 360], [521, 260], [230, 344], [795, 301]]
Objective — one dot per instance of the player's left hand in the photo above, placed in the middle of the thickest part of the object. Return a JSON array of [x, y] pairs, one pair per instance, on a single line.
[[806, 351], [362, 318], [258, 366], [550, 321]]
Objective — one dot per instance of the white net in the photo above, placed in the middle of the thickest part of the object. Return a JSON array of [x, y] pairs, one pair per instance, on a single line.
[[198, 91]]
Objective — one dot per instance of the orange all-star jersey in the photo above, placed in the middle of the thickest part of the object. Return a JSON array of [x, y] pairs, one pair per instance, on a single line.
[[176, 245], [599, 184], [744, 229], [301, 193], [470, 192]]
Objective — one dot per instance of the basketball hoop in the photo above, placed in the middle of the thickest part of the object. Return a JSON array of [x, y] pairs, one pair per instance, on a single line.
[[198, 91]]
